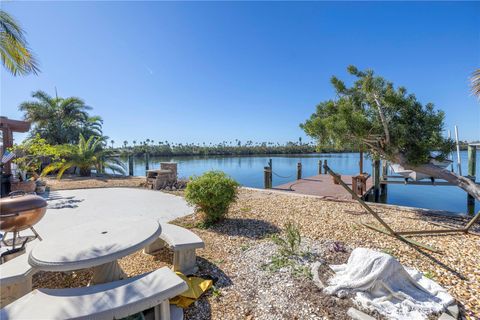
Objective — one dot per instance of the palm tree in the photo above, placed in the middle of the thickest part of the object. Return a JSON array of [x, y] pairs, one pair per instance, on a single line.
[[112, 142], [87, 155], [134, 143], [125, 142], [475, 79], [60, 120], [16, 56]]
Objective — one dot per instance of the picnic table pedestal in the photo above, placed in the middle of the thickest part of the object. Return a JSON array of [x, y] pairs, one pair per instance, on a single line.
[[96, 245], [107, 272]]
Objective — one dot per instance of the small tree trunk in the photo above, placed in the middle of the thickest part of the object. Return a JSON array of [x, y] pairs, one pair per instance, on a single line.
[[85, 172], [437, 172]]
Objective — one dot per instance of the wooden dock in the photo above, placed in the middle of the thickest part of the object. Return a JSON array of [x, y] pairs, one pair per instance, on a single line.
[[323, 186]]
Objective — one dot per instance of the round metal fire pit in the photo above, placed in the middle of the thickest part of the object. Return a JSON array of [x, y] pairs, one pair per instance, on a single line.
[[20, 211]]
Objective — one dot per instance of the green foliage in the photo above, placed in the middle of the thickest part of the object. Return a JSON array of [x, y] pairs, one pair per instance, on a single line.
[[278, 262], [60, 120], [290, 242], [31, 153], [386, 120], [216, 293], [212, 193], [87, 155], [224, 148], [17, 58], [475, 80]]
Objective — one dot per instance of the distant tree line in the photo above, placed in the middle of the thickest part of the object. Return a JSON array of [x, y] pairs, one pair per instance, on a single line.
[[165, 148]]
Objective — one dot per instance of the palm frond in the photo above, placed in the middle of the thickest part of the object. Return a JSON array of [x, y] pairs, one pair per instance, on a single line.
[[14, 51], [475, 82]]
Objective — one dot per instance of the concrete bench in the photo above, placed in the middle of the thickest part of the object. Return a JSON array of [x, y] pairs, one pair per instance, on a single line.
[[113, 300], [16, 277], [183, 242]]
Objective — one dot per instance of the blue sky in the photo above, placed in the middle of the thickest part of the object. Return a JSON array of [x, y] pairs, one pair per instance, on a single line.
[[214, 71]]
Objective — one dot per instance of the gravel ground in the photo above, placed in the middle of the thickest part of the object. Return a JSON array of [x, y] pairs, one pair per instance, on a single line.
[[239, 252], [107, 181]]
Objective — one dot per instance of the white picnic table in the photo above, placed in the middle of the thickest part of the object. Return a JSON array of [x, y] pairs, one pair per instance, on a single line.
[[97, 243]]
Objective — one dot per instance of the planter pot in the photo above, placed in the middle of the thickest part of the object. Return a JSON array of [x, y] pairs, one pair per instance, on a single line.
[[40, 189], [25, 186]]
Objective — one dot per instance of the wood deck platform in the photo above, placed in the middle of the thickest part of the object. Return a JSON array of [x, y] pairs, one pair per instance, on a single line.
[[321, 185]]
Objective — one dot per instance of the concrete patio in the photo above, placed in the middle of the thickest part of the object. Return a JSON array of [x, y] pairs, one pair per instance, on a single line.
[[71, 207]]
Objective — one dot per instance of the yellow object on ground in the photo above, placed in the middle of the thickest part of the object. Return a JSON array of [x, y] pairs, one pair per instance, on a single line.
[[196, 287]]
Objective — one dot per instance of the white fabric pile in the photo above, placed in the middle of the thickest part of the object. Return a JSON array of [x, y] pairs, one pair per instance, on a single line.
[[382, 283]]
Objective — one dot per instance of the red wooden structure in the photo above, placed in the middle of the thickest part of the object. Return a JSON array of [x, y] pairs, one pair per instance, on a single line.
[[8, 127]]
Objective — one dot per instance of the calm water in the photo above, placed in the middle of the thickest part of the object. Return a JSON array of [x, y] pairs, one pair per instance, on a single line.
[[248, 170]]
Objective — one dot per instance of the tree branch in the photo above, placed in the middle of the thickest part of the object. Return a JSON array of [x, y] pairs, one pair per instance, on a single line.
[[383, 119]]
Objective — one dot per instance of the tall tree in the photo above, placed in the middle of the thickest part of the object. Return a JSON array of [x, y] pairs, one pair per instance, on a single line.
[[390, 123], [17, 58], [60, 120]]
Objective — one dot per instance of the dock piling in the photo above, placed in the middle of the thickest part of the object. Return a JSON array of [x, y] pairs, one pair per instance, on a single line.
[[130, 165], [383, 186], [299, 171], [147, 159], [325, 166], [267, 177], [376, 179], [472, 159], [319, 167]]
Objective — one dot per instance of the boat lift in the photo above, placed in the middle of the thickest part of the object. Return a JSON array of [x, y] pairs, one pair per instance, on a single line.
[[403, 235]]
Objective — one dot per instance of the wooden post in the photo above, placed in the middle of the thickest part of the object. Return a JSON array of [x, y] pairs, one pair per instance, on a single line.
[[147, 158], [325, 166], [130, 165], [270, 164], [299, 171], [383, 187], [267, 177], [360, 163], [319, 167], [472, 159], [459, 162], [376, 180]]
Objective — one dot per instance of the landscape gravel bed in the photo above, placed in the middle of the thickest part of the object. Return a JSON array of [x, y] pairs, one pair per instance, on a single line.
[[239, 250]]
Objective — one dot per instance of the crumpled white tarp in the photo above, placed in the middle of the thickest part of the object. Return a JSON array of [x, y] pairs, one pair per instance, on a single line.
[[382, 283]]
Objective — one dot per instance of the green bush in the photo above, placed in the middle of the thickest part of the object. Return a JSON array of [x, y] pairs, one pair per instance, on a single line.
[[212, 193], [290, 243]]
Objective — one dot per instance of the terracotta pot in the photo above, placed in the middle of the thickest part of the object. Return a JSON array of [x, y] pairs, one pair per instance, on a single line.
[[25, 186]]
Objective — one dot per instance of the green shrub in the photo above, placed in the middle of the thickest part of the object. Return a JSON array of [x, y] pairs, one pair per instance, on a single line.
[[290, 243], [212, 193]]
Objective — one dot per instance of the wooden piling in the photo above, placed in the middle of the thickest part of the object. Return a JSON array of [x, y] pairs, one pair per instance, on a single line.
[[299, 171], [472, 159], [376, 180], [130, 165], [270, 164], [147, 159], [383, 186], [325, 166], [267, 177], [319, 167]]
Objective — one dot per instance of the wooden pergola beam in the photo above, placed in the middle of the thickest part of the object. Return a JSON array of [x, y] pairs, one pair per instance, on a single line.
[[8, 127]]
